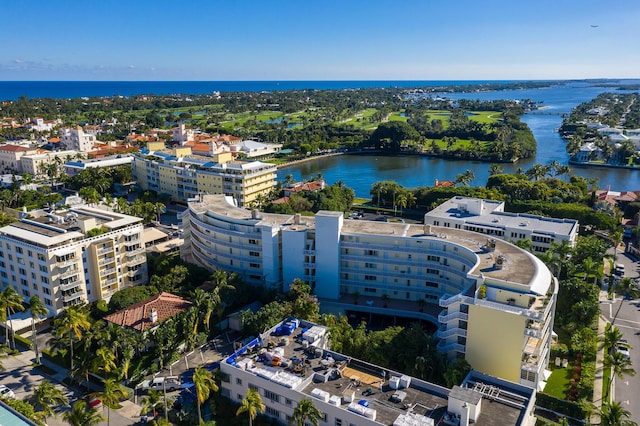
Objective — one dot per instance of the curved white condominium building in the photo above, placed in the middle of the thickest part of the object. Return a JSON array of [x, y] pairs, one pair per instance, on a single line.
[[494, 303]]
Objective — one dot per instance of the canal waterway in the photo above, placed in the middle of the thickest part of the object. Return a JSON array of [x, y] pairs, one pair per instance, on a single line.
[[360, 172]]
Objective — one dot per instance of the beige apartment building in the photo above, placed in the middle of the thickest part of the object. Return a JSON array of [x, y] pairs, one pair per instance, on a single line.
[[183, 176], [72, 257]]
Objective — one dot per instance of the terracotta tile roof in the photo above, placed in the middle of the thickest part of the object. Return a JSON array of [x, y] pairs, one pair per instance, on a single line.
[[305, 187], [14, 148], [444, 183], [138, 316], [55, 140]]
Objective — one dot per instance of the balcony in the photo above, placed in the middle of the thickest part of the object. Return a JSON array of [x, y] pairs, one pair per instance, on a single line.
[[70, 286], [136, 260], [310, 265], [132, 272], [309, 252], [445, 317], [67, 262], [109, 282], [450, 332], [107, 271], [533, 333], [107, 261], [68, 273], [458, 298], [68, 298], [132, 243], [104, 250], [130, 253]]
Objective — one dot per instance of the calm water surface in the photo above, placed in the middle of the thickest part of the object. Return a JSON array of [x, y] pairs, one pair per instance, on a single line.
[[360, 172]]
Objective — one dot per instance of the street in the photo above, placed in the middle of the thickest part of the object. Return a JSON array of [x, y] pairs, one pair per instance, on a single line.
[[625, 314]]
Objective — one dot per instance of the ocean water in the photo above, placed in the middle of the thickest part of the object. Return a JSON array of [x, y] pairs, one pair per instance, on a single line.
[[11, 90]]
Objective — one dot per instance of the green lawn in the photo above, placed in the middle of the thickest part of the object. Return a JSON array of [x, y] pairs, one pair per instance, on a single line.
[[558, 382]]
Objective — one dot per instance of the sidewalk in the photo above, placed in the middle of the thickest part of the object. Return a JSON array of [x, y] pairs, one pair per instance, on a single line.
[[598, 384], [25, 360]]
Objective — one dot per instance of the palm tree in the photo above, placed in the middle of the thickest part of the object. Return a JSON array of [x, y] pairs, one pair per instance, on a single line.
[[306, 411], [204, 305], [76, 321], [495, 169], [620, 366], [591, 268], [82, 414], [104, 360], [46, 395], [150, 402], [10, 301], [613, 414], [252, 404], [465, 178], [112, 394], [204, 383], [612, 338], [38, 311], [627, 287]]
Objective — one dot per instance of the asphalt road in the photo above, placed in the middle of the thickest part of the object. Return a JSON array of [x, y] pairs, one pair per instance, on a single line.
[[625, 314]]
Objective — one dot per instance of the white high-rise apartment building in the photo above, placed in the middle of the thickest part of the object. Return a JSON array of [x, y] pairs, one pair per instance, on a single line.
[[493, 302], [76, 139], [66, 258]]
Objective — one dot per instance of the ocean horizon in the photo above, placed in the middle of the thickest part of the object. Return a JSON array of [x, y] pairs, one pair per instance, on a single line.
[[12, 90]]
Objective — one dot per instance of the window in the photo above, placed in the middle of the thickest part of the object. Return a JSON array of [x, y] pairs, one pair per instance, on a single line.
[[238, 381], [47, 301], [338, 422], [272, 412], [288, 402], [271, 395], [370, 290], [370, 253], [254, 253], [370, 278], [432, 271], [370, 265], [431, 258], [43, 268]]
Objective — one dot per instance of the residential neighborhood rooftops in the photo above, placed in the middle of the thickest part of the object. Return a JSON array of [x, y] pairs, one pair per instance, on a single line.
[[148, 313]]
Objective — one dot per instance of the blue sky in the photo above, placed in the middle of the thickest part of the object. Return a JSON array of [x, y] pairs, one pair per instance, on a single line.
[[319, 40]]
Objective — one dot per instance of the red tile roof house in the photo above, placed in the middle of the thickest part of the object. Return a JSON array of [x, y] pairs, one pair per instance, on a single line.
[[147, 314]]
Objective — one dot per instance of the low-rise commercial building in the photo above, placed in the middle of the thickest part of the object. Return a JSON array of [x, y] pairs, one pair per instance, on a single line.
[[488, 217], [292, 362], [72, 257], [493, 302]]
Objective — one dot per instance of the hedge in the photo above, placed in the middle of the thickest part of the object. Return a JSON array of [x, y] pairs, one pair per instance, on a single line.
[[567, 408], [55, 358], [23, 341]]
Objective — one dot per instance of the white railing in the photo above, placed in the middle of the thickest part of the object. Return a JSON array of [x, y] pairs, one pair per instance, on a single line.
[[107, 271], [130, 253], [68, 273], [70, 286], [109, 282], [458, 298], [107, 261], [105, 250], [136, 259], [533, 333], [456, 331], [65, 263], [446, 317], [70, 297]]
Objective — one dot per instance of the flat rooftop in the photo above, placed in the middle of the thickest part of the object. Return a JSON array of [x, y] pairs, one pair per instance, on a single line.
[[489, 217], [519, 266], [54, 228], [292, 361]]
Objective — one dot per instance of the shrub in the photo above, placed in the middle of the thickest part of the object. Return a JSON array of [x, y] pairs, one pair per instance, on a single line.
[[22, 341], [567, 408]]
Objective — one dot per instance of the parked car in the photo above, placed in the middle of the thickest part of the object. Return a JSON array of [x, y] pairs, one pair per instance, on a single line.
[[623, 348], [94, 402], [5, 392]]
